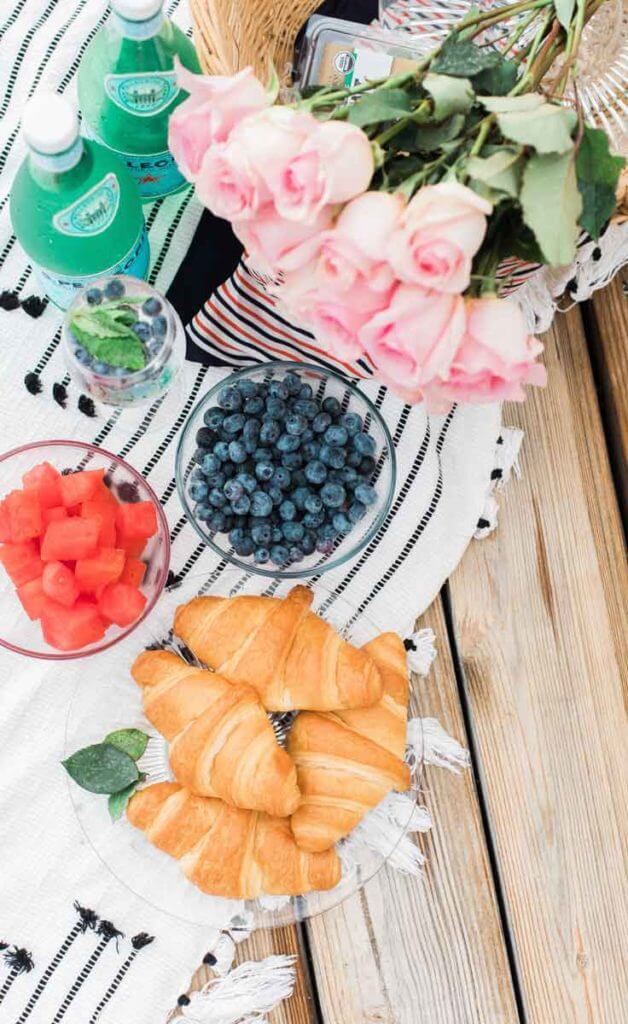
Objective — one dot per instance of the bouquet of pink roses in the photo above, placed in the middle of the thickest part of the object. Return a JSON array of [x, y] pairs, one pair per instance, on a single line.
[[382, 212]]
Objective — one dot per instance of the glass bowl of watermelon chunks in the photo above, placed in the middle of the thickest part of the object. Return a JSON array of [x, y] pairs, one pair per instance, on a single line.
[[84, 549]]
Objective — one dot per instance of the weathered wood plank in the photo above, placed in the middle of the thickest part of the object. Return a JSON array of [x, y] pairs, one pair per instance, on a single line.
[[406, 951], [608, 347], [540, 615]]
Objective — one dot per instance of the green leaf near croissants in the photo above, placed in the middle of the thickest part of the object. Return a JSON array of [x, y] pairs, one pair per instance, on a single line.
[[598, 172], [132, 741], [101, 768], [552, 205]]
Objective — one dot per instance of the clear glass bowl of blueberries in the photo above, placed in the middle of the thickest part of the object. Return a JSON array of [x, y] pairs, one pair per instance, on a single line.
[[286, 469], [124, 343]]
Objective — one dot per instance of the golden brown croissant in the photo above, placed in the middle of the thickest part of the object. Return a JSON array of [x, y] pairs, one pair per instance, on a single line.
[[221, 740], [227, 851], [347, 762], [291, 657]]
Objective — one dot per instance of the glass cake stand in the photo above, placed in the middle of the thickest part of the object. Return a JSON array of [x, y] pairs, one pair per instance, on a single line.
[[109, 699]]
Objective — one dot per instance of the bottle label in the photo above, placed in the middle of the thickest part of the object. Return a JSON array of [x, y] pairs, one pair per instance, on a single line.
[[93, 212], [63, 287], [155, 174], [143, 94]]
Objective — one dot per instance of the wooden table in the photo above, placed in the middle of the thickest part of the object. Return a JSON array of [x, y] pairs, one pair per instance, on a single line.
[[521, 915]]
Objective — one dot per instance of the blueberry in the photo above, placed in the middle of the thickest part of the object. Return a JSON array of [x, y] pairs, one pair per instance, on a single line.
[[221, 450], [366, 494], [287, 510], [233, 424], [102, 368], [204, 512], [198, 491], [217, 497], [341, 523], [261, 556], [248, 388], [211, 463], [216, 480], [292, 460], [305, 391], [282, 478], [333, 495], [230, 399], [251, 427], [261, 534], [254, 406], [276, 535], [236, 535], [296, 424], [367, 466], [217, 522], [337, 437], [152, 306], [277, 389], [276, 495], [237, 452], [160, 326], [279, 554], [264, 470], [306, 407], [308, 544], [199, 455], [213, 418], [261, 504], [364, 444], [310, 450], [333, 457], [142, 329], [288, 443], [320, 422], [296, 553], [352, 423], [299, 478], [154, 346], [356, 511], [276, 408], [119, 371], [82, 356], [332, 406], [299, 496], [241, 505], [228, 520], [325, 545], [292, 383], [269, 432], [205, 438], [292, 531], [354, 459], [316, 472], [245, 548], [114, 288], [196, 474], [313, 503], [248, 482], [233, 490], [93, 296]]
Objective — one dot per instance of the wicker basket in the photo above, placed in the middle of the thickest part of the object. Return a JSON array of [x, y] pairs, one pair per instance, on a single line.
[[232, 34]]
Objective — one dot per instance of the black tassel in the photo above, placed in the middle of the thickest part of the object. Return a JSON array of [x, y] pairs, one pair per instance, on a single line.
[[409, 644], [88, 919], [32, 383], [19, 960], [496, 474], [3, 945], [60, 394], [34, 306], [9, 300], [86, 406], [209, 959], [141, 940], [109, 931], [172, 580], [482, 524]]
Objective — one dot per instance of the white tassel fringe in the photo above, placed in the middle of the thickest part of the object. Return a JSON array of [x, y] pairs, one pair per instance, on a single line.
[[505, 461], [427, 735], [421, 648], [245, 995]]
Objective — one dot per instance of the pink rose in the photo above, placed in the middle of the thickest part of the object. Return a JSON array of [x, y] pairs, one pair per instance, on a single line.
[[280, 245], [413, 340], [494, 359], [227, 183], [441, 230], [367, 224], [336, 320], [215, 105]]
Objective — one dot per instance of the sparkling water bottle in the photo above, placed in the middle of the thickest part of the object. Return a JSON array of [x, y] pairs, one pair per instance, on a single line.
[[127, 90], [74, 208]]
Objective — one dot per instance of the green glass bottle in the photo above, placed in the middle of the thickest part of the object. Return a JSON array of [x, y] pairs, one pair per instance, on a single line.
[[127, 90], [74, 208]]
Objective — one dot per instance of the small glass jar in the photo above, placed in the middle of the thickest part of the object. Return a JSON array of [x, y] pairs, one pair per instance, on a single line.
[[149, 329]]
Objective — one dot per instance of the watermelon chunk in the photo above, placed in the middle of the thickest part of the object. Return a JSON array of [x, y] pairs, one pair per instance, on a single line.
[[5, 525], [79, 487], [32, 596], [69, 629], [121, 603], [70, 539], [59, 583], [24, 515], [133, 572], [102, 568], [21, 561], [132, 547], [137, 520], [52, 515], [45, 480], [104, 493], [107, 515]]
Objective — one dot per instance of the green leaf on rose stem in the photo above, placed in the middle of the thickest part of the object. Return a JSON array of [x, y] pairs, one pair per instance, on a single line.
[[552, 205], [101, 768], [429, 137], [564, 11], [511, 104], [500, 172], [463, 59], [497, 81], [548, 128], [379, 105], [132, 741], [117, 801], [450, 95], [597, 171]]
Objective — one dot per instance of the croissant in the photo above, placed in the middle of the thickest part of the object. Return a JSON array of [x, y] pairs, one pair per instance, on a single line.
[[347, 762], [291, 657], [221, 740], [227, 851]]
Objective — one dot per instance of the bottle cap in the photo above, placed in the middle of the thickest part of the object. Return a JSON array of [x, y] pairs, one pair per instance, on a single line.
[[137, 10], [50, 123]]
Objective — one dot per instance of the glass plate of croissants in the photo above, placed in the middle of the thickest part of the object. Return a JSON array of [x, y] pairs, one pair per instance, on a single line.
[[277, 720]]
